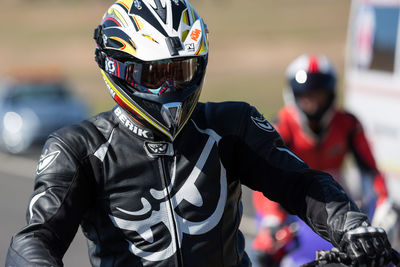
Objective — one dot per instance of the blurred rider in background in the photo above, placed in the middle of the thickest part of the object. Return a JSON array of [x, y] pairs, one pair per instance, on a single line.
[[314, 128]]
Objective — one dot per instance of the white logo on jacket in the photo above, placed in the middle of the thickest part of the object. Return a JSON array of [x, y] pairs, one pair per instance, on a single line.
[[167, 213], [129, 124], [154, 149], [46, 160], [263, 124]]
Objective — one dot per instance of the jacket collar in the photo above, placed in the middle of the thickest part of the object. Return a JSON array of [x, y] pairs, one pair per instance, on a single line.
[[127, 122]]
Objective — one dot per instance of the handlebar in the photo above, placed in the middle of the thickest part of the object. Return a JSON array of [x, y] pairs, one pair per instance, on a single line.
[[335, 258]]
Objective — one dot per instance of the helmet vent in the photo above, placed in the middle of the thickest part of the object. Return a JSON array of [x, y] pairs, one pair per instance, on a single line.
[[170, 113], [137, 4], [160, 10], [174, 45]]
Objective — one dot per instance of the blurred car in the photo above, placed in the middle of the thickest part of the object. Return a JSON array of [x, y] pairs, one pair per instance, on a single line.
[[31, 108]]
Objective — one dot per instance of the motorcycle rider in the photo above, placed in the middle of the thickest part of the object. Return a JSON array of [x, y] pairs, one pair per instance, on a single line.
[[157, 180], [322, 135]]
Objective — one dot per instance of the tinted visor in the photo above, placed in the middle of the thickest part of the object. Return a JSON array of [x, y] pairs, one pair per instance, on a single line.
[[313, 82], [153, 74]]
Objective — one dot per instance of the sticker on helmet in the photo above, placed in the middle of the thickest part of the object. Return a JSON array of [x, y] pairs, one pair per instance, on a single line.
[[263, 124], [104, 39], [110, 90], [109, 66], [190, 47], [195, 35]]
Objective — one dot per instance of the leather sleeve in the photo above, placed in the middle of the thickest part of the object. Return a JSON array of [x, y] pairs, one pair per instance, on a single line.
[[264, 163], [61, 195]]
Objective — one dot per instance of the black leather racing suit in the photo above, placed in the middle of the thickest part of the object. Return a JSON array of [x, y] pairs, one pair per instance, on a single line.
[[143, 202]]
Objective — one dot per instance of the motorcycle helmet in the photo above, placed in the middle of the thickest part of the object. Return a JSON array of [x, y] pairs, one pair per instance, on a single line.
[[153, 56], [312, 76]]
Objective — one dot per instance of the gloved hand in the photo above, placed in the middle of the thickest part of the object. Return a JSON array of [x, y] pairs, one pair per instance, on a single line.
[[367, 246]]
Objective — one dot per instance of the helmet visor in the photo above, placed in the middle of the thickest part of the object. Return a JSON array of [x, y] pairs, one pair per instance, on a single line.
[[312, 82], [154, 74]]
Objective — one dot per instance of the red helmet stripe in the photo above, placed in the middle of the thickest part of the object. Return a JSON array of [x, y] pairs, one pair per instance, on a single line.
[[137, 23], [112, 19], [313, 65], [124, 105]]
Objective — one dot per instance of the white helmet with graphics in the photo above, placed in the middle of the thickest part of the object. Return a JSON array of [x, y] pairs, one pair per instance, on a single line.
[[153, 56]]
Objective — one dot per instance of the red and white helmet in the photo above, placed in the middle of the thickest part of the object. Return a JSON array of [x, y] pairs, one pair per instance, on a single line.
[[309, 73], [153, 56]]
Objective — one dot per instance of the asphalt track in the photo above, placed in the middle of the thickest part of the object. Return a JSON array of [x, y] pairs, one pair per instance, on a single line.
[[16, 184]]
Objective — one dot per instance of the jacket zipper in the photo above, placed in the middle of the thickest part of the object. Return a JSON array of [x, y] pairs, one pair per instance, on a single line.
[[166, 180]]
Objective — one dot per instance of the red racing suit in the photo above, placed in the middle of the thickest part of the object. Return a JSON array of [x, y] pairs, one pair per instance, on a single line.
[[327, 153]]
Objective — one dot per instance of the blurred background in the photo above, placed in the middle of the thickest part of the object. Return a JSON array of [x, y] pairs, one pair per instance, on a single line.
[[251, 44]]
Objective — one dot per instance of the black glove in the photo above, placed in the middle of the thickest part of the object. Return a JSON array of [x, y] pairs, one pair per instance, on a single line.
[[367, 246]]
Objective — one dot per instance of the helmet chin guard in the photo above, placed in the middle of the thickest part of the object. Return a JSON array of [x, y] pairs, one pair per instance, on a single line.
[[161, 112], [172, 113]]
